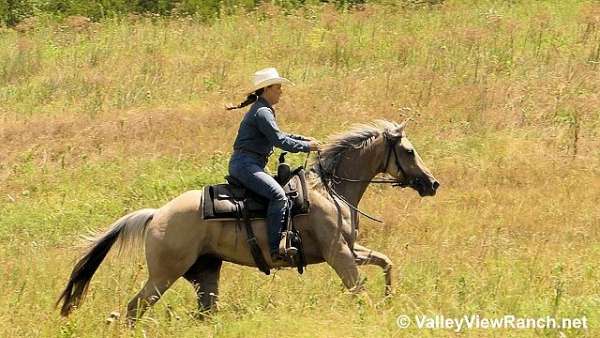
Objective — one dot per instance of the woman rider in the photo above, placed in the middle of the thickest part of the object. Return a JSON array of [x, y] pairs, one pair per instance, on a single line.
[[257, 136]]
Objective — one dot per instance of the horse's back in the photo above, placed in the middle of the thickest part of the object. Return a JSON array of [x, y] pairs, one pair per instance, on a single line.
[[178, 224], [188, 202]]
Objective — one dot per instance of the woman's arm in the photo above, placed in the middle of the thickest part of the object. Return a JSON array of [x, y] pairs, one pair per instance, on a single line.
[[297, 137], [266, 124]]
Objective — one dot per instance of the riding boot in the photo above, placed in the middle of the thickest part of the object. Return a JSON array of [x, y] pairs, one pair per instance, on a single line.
[[285, 244], [275, 221]]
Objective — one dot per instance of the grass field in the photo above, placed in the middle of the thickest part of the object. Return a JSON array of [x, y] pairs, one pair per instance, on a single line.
[[99, 119]]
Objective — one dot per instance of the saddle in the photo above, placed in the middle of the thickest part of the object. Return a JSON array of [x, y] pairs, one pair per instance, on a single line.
[[232, 201], [225, 201]]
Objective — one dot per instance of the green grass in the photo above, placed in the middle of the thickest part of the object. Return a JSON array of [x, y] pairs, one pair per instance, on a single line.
[[476, 248], [100, 120]]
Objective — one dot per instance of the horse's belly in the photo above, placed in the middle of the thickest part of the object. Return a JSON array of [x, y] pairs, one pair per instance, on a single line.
[[229, 241]]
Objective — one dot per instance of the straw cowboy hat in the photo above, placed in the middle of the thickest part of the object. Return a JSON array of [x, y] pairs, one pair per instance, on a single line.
[[266, 77]]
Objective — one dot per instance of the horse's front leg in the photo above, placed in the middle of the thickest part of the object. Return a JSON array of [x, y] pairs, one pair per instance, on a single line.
[[338, 255], [366, 256]]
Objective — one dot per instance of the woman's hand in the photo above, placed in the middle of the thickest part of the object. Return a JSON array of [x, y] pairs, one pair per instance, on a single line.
[[314, 145]]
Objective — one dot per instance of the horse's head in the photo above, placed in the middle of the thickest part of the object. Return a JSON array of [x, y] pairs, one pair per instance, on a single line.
[[402, 161]]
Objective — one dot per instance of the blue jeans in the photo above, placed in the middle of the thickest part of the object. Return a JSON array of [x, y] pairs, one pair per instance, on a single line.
[[250, 171]]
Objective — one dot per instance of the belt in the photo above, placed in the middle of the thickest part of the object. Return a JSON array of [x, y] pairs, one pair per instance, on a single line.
[[263, 157]]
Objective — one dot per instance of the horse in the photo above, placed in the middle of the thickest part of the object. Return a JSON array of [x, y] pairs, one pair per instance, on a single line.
[[179, 243]]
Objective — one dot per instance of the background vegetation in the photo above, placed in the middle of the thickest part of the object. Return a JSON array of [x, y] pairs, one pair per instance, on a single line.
[[101, 118], [14, 11]]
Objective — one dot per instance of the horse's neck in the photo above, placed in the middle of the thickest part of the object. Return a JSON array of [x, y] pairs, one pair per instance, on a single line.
[[359, 166]]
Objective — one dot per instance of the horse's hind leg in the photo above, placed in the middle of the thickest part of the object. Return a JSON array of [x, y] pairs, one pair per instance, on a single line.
[[148, 295], [366, 256], [204, 276], [165, 266]]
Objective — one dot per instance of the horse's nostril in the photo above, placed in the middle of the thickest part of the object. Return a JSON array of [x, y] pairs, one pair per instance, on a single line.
[[435, 185]]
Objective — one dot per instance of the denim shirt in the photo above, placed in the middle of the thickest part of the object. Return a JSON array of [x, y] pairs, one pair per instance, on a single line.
[[259, 133]]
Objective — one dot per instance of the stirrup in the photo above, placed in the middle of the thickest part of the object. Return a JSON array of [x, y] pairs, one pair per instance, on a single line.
[[289, 252], [284, 249]]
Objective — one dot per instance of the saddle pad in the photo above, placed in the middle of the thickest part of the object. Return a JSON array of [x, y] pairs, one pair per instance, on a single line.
[[220, 201]]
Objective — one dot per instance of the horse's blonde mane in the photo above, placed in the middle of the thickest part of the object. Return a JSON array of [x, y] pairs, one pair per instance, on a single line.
[[360, 136]]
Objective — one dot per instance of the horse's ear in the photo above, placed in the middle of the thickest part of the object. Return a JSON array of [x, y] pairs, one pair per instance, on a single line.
[[402, 126], [394, 133]]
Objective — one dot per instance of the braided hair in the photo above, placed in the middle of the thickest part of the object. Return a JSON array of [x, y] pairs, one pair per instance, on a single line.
[[252, 97]]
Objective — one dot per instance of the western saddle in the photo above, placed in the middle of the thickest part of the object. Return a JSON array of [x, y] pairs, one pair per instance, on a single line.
[[232, 201]]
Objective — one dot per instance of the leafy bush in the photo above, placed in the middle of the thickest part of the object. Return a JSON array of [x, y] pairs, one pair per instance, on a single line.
[[13, 11]]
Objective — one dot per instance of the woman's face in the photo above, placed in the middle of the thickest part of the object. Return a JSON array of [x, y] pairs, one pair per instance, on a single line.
[[272, 93]]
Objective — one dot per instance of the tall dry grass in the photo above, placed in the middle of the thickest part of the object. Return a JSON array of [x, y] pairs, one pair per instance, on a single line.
[[100, 119]]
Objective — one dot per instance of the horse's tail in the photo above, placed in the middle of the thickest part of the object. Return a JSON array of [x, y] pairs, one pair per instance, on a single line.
[[128, 230]]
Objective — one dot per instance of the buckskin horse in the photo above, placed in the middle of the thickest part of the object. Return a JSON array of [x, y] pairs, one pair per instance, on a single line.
[[179, 243]]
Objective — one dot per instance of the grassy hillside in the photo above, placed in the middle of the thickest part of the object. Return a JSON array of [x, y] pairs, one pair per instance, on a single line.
[[98, 119]]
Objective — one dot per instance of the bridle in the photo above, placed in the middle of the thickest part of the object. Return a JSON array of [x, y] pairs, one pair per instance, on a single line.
[[327, 178], [390, 149]]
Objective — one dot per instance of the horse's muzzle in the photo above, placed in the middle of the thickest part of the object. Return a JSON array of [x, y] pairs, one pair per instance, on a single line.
[[427, 187]]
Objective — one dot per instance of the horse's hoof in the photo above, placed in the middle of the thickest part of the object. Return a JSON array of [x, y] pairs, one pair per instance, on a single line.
[[131, 322], [388, 292], [113, 317]]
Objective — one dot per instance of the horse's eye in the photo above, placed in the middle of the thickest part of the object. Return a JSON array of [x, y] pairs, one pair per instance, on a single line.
[[410, 152]]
